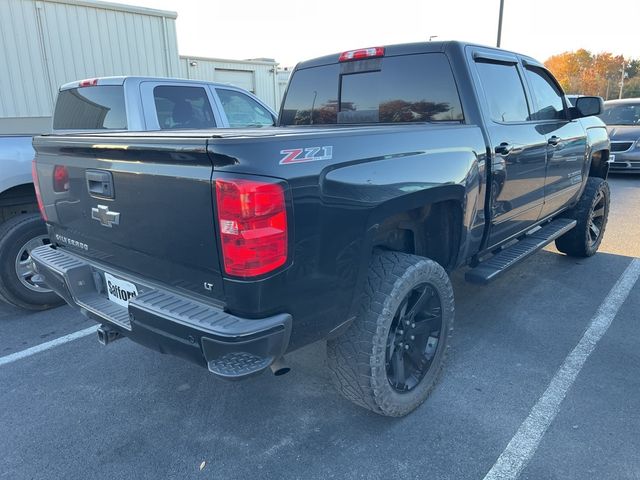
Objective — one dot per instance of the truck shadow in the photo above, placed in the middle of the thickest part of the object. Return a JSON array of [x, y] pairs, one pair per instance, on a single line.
[[500, 357], [125, 408]]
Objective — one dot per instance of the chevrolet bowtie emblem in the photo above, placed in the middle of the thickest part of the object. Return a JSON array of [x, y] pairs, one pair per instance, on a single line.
[[104, 216]]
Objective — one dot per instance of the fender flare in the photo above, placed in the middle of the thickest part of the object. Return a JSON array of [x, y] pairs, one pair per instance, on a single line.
[[436, 194]]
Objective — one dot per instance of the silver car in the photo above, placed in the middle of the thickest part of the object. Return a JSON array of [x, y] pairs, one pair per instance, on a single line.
[[623, 123]]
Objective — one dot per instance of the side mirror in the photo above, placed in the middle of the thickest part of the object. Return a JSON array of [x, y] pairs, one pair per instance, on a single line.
[[588, 106]]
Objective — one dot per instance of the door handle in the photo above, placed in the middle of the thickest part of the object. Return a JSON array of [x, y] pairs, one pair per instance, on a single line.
[[504, 149], [553, 141], [99, 183]]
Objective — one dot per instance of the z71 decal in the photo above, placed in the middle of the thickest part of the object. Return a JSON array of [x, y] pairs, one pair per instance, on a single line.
[[311, 154]]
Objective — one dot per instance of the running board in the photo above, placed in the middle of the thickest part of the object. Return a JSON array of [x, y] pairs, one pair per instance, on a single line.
[[507, 258]]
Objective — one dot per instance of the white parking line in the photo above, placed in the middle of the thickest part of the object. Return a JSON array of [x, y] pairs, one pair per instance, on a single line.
[[47, 345], [526, 440]]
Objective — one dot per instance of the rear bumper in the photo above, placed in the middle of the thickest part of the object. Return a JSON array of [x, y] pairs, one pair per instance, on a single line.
[[229, 346]]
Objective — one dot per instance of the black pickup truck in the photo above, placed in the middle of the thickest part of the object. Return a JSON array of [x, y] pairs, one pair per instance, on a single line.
[[390, 167]]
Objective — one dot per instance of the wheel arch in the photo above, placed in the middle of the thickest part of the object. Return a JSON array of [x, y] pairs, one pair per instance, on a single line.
[[599, 165], [598, 145], [416, 208], [17, 200], [408, 224]]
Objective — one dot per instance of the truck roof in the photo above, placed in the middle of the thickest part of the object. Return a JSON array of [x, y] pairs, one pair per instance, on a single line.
[[412, 48], [623, 101], [119, 80]]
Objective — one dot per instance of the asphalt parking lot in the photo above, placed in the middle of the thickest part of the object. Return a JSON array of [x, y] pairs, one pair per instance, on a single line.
[[81, 410]]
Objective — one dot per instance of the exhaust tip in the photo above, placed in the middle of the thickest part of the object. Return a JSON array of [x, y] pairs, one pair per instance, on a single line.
[[281, 371], [102, 336], [280, 367]]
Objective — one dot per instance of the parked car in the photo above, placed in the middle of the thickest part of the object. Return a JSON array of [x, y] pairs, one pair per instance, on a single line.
[[573, 98], [623, 124], [231, 248], [99, 104]]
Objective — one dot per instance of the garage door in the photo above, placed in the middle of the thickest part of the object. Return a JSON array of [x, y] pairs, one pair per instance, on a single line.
[[239, 78]]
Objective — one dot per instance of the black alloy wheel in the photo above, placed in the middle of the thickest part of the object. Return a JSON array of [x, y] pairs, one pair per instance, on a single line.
[[597, 218], [591, 214], [391, 356], [413, 338]]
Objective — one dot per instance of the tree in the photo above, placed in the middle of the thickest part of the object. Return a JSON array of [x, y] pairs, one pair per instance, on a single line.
[[633, 68], [582, 72], [631, 87], [570, 69], [605, 77]]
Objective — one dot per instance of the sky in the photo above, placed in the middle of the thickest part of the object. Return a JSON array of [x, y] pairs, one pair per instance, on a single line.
[[293, 30]]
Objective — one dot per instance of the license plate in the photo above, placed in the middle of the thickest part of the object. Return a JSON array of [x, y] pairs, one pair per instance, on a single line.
[[612, 158], [119, 291]]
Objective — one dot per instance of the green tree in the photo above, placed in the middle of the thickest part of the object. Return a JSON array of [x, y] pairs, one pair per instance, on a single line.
[[633, 68], [631, 87]]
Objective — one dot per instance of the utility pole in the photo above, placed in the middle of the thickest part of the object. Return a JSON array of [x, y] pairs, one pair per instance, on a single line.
[[622, 78], [500, 23]]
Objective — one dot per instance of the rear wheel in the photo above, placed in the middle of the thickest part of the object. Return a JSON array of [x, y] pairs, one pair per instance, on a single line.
[[591, 213], [18, 237], [389, 359]]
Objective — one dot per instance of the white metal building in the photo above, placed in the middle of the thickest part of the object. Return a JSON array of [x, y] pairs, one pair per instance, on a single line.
[[46, 43]]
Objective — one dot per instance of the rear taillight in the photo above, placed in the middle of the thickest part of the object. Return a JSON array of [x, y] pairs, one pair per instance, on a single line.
[[36, 185], [361, 53], [252, 218], [60, 178]]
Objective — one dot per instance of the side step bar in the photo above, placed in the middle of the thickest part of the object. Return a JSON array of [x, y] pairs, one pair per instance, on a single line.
[[507, 258]]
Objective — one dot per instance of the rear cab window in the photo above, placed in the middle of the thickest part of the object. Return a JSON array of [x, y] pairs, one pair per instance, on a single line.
[[179, 107], [397, 89], [100, 107]]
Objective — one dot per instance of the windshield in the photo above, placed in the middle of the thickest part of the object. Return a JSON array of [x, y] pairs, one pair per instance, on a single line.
[[621, 114]]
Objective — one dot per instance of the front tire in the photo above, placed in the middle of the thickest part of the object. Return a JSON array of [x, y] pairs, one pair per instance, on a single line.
[[18, 236], [390, 358], [591, 213]]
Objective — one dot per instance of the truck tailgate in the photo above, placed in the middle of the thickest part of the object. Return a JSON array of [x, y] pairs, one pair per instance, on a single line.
[[134, 205]]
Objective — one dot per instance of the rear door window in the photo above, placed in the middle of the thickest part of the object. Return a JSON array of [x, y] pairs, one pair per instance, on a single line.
[[401, 89], [91, 108], [242, 110], [182, 107], [504, 92]]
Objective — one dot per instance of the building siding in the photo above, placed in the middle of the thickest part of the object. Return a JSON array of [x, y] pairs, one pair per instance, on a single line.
[[46, 43]]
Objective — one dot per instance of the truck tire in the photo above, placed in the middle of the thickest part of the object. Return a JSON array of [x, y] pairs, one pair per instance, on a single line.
[[18, 236], [390, 357], [591, 213]]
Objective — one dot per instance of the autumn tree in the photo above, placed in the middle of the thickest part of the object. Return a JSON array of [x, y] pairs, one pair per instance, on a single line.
[[570, 68], [582, 72]]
